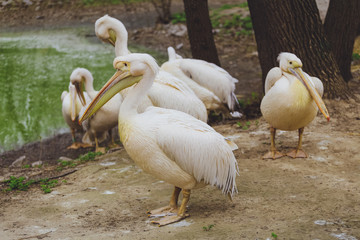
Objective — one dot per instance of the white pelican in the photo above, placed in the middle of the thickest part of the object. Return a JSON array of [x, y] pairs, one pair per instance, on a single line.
[[211, 83], [71, 106], [291, 101], [167, 90], [169, 144], [100, 124]]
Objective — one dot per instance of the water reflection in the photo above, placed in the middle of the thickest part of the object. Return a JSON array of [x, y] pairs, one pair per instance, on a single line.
[[34, 71]]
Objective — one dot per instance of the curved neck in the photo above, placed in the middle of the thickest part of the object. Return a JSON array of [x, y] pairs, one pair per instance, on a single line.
[[130, 104], [89, 87], [121, 48]]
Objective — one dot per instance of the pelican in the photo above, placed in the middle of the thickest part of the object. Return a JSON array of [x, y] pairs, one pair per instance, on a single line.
[[171, 145], [211, 83], [292, 99], [71, 106], [167, 90], [100, 124]]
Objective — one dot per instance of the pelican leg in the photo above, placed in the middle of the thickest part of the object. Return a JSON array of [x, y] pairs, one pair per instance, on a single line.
[[180, 214], [171, 209], [76, 145], [298, 152], [112, 144], [273, 153], [97, 148]]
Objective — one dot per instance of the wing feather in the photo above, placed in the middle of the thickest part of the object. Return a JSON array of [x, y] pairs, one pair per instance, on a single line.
[[273, 75], [196, 147]]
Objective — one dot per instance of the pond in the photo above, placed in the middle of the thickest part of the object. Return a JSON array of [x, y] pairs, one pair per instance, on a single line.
[[34, 70]]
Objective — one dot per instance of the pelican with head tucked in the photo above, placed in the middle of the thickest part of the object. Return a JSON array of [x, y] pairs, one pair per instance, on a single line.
[[292, 99], [171, 145], [167, 91], [71, 106], [211, 83], [100, 124]]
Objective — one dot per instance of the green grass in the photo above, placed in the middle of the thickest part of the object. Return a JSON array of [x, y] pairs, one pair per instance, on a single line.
[[90, 156], [19, 183], [208, 228], [47, 185]]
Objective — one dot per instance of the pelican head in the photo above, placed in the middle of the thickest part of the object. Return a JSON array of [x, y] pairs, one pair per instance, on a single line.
[[111, 30], [78, 78], [130, 69], [290, 63]]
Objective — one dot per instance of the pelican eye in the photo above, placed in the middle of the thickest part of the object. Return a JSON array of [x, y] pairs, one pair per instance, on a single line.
[[290, 62], [125, 64]]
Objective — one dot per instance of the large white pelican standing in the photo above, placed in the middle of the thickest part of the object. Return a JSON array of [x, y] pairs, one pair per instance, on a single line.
[[71, 106], [104, 120], [291, 101], [171, 145], [211, 83], [167, 90]]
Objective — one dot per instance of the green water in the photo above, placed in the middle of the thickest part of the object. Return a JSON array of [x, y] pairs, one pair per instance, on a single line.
[[34, 70]]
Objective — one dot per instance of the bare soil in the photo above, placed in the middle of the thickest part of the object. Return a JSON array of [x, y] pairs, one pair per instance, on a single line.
[[312, 198]]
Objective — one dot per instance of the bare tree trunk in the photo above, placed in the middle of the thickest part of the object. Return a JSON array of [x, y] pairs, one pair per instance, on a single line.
[[200, 31], [295, 26], [341, 25], [163, 9]]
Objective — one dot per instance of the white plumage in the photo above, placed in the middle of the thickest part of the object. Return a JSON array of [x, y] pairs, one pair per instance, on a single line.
[[171, 145], [167, 91], [211, 83], [98, 127], [71, 106], [292, 99]]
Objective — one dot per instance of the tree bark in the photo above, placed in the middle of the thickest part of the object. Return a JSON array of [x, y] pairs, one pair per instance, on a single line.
[[295, 26], [163, 9], [200, 31], [342, 22]]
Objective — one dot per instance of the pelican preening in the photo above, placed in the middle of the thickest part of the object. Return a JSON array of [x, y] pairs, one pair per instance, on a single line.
[[167, 91], [292, 99], [171, 145], [71, 106], [98, 127]]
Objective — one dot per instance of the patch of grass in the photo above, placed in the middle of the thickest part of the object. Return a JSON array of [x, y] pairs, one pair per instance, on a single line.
[[208, 228], [178, 18], [233, 23], [274, 236], [26, 166], [355, 56], [19, 183], [90, 156], [47, 185]]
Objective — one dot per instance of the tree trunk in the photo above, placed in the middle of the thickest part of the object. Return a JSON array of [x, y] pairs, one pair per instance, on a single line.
[[295, 26], [163, 9], [341, 25], [200, 31]]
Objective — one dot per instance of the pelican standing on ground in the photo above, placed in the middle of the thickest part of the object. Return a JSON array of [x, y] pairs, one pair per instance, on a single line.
[[292, 99], [167, 90], [211, 83], [171, 145], [104, 120], [71, 106]]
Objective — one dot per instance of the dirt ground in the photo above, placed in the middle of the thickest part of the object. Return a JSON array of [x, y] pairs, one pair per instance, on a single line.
[[313, 198]]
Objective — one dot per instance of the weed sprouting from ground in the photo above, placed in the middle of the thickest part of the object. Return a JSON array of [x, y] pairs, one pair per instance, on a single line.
[[208, 228]]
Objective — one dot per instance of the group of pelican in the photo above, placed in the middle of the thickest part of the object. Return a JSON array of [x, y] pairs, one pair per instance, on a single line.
[[161, 114]]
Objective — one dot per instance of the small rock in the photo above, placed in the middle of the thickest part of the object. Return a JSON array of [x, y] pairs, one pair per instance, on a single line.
[[18, 162], [178, 30], [65, 159], [180, 45], [37, 163]]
